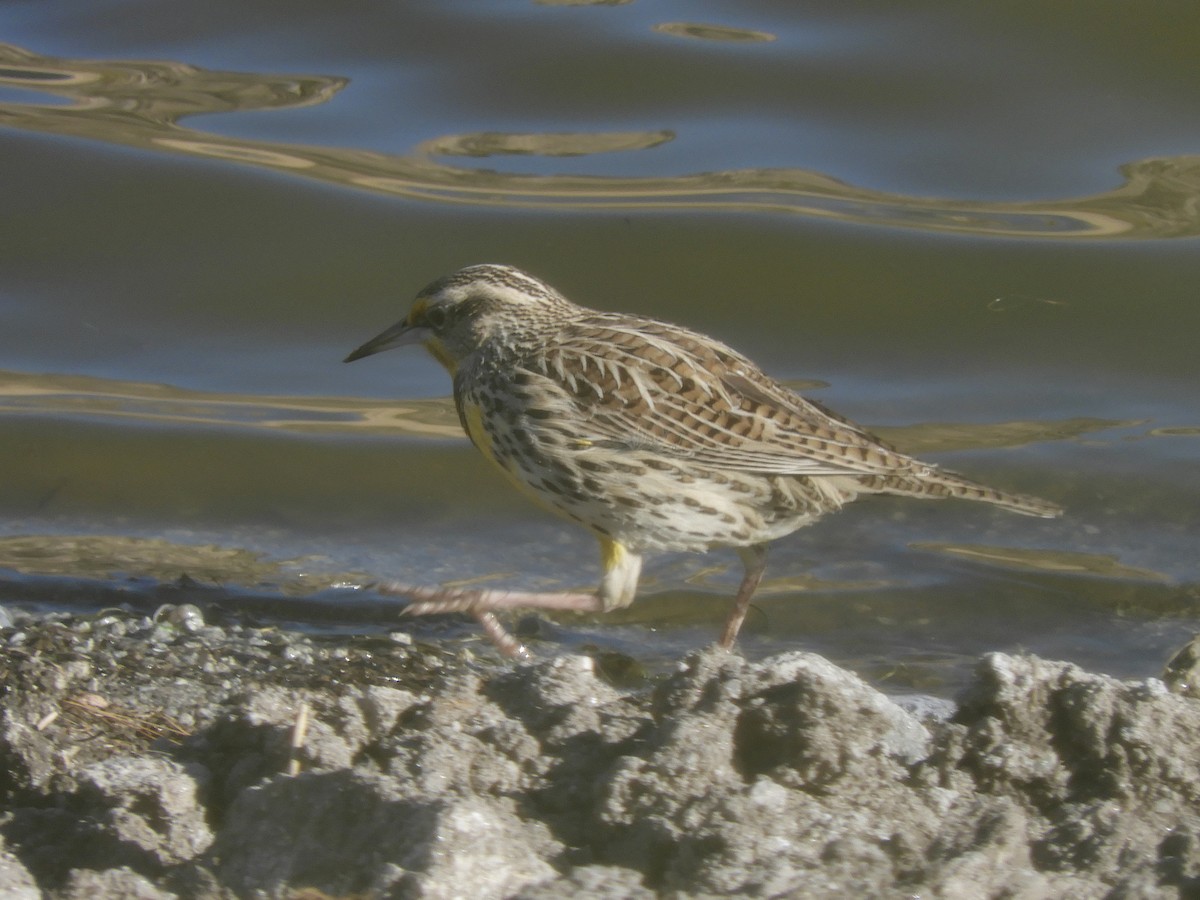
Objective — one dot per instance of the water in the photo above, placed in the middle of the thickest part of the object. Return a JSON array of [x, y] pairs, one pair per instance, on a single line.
[[972, 228]]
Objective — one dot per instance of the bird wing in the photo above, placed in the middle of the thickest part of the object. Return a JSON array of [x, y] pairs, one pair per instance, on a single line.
[[643, 384]]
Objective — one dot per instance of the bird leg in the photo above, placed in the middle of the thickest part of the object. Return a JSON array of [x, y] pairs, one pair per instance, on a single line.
[[481, 603], [427, 600], [618, 586], [502, 639], [617, 589], [755, 560]]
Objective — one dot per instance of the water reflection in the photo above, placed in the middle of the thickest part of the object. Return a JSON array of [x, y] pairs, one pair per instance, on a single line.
[[140, 104], [582, 2], [115, 556], [493, 143], [712, 32], [1063, 562], [158, 561], [79, 396]]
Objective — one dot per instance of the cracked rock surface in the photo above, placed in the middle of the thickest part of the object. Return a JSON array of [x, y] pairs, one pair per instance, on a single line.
[[143, 760]]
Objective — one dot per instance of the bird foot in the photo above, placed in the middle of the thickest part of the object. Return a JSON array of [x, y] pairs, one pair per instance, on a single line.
[[427, 600], [481, 604], [502, 639]]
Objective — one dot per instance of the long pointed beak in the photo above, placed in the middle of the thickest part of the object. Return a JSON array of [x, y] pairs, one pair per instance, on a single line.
[[399, 335]]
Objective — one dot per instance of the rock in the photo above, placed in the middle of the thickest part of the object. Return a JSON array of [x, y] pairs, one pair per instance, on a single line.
[[593, 882], [87, 884], [423, 775], [15, 881], [148, 804], [1182, 674], [344, 833], [1102, 770]]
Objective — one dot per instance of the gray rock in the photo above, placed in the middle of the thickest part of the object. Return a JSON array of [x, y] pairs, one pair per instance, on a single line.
[[1182, 673], [111, 884], [427, 776], [344, 833], [593, 882], [15, 881], [150, 804]]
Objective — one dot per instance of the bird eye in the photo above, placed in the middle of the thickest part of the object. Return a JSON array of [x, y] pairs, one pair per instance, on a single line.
[[436, 316]]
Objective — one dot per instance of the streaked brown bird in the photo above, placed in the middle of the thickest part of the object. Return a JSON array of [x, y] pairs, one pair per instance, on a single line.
[[651, 436]]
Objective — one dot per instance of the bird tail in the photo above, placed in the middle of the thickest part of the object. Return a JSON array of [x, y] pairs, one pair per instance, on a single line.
[[937, 484]]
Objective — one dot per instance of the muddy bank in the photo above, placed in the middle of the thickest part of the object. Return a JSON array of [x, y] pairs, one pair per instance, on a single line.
[[163, 756]]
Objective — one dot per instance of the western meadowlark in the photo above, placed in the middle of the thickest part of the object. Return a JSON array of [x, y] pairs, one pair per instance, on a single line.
[[651, 436]]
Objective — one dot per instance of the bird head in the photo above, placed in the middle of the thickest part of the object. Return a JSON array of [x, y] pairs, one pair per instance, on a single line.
[[459, 314]]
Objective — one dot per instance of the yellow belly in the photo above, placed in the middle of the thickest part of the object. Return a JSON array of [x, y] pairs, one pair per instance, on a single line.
[[472, 419]]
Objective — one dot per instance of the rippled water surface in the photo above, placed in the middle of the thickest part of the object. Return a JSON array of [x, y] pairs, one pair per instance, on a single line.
[[971, 227]]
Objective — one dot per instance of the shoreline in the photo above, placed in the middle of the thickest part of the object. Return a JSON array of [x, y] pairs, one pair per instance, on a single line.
[[163, 756]]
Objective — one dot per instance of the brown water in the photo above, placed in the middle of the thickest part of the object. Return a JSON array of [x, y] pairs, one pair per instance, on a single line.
[[972, 228]]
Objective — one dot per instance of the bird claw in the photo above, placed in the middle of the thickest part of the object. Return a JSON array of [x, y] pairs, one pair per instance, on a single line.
[[501, 638], [432, 601], [428, 600]]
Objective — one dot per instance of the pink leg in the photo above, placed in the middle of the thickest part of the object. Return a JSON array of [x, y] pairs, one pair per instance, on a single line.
[[481, 603], [427, 600], [755, 560], [618, 587], [501, 637]]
